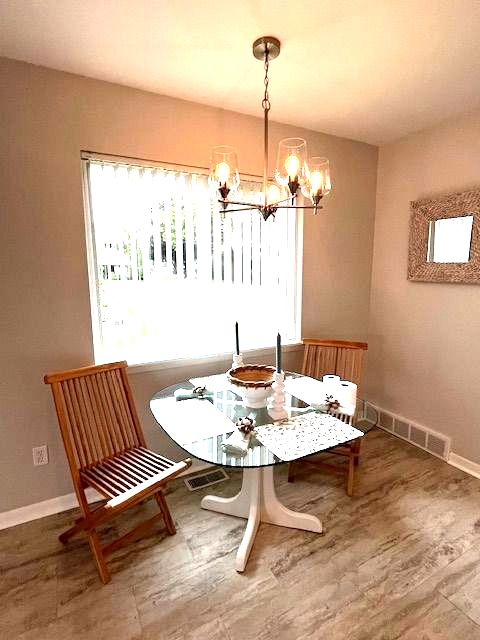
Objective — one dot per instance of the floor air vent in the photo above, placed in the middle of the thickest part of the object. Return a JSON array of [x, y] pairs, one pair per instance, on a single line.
[[205, 479]]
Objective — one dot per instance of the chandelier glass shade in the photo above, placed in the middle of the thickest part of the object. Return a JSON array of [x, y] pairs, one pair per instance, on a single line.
[[224, 174], [317, 183], [294, 172], [292, 166]]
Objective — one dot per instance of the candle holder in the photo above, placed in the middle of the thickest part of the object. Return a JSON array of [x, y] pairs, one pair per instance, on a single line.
[[276, 408], [237, 360]]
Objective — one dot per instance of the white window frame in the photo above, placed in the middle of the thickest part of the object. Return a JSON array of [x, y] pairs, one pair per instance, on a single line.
[[291, 346]]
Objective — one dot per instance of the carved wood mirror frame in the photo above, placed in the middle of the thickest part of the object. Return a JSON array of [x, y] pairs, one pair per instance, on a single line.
[[423, 212]]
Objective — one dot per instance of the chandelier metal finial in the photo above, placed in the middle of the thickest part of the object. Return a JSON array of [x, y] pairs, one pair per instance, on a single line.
[[292, 167]]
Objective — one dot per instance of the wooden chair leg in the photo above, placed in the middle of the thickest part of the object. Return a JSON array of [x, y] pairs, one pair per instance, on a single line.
[[351, 474], [291, 472], [69, 533], [167, 516], [98, 556]]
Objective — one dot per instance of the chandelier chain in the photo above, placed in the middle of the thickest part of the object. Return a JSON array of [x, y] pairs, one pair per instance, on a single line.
[[266, 97]]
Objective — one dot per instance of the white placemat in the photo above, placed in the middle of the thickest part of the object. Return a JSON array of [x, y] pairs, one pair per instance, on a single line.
[[311, 391], [304, 435], [314, 392], [190, 420]]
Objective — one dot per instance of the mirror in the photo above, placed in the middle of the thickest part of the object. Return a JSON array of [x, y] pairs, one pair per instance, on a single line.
[[444, 243], [449, 239]]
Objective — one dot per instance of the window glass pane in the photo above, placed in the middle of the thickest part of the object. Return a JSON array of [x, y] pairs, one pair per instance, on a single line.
[[172, 274], [449, 239]]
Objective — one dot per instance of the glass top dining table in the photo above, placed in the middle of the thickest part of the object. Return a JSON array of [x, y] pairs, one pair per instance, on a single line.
[[200, 426]]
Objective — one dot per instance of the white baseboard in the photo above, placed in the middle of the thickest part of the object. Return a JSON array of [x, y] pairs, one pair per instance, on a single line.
[[472, 468], [468, 466], [44, 508], [63, 503]]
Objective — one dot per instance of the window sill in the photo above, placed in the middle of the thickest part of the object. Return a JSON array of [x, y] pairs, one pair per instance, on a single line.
[[181, 363]]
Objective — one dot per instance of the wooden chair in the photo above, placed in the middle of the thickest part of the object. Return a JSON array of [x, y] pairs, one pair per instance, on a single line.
[[106, 450], [344, 359]]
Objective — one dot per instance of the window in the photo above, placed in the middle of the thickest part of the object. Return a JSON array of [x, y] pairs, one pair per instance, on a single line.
[[170, 274]]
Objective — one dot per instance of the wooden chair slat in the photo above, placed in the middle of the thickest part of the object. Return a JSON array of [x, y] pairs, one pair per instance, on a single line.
[[126, 412], [140, 475], [83, 438], [87, 426], [155, 455], [119, 474], [131, 473], [106, 450], [349, 364], [125, 418], [120, 444], [71, 424], [93, 475], [113, 478], [152, 462], [107, 413], [145, 462], [142, 468], [85, 401], [102, 416], [97, 418]]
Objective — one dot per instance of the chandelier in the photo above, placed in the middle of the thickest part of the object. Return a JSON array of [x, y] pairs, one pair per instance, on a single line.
[[294, 172]]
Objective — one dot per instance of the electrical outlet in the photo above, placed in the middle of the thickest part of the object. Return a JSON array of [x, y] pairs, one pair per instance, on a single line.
[[40, 455]]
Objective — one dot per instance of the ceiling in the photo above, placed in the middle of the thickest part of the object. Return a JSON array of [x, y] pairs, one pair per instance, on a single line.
[[372, 70]]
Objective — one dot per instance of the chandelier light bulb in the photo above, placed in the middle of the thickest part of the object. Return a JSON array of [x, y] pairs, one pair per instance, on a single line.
[[224, 177], [292, 165], [222, 172], [316, 181], [273, 194]]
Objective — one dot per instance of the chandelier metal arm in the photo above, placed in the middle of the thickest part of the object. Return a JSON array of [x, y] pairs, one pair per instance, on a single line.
[[248, 208], [296, 206]]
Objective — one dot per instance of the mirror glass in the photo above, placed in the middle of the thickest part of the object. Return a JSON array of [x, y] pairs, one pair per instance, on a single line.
[[449, 239]]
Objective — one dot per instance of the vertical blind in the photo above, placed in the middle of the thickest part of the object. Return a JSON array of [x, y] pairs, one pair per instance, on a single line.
[[170, 274]]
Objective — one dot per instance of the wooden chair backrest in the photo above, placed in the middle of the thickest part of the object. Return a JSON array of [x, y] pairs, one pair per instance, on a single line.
[[96, 413], [340, 357]]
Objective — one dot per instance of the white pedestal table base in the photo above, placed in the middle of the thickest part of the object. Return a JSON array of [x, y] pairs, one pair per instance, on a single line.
[[258, 502]]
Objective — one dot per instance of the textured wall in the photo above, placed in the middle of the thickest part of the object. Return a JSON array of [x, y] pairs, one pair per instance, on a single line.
[[424, 351], [48, 117]]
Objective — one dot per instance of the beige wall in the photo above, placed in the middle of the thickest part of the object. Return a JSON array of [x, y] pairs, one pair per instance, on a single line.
[[424, 354], [47, 118]]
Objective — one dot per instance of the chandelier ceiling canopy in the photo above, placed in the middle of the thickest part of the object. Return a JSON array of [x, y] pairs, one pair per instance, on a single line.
[[295, 172]]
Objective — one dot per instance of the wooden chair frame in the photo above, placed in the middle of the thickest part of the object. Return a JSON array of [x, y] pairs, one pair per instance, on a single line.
[[106, 449], [343, 358]]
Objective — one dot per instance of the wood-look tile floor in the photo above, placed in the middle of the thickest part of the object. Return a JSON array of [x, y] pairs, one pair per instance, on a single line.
[[399, 560]]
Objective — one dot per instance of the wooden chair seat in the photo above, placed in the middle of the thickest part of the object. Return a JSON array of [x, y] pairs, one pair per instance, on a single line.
[[106, 450], [114, 476]]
